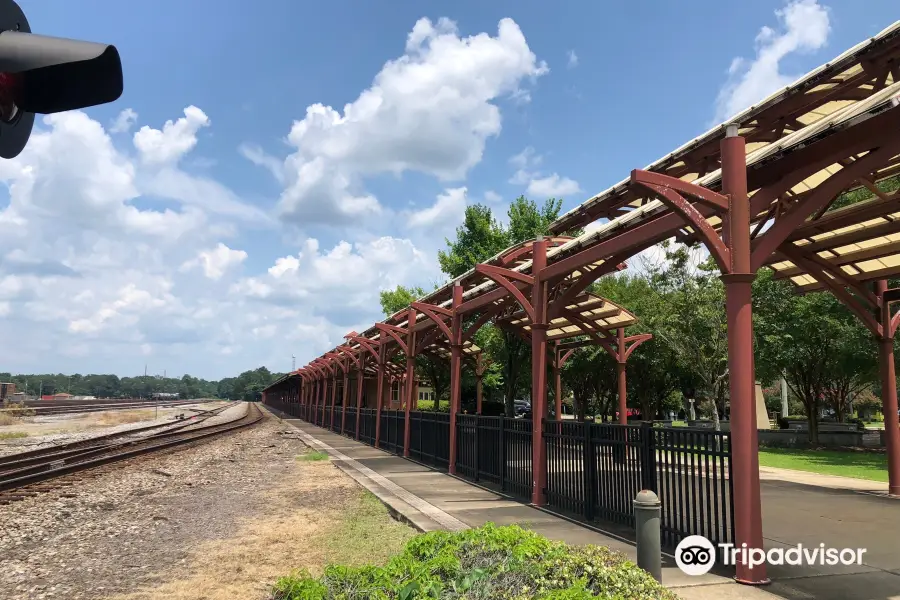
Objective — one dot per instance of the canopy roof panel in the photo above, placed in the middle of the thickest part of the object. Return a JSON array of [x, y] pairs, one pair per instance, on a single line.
[[588, 315], [850, 78]]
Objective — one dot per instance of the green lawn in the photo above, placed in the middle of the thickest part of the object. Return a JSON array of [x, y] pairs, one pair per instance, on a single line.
[[862, 465]]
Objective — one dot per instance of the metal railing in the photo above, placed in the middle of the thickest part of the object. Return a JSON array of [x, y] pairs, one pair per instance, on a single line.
[[595, 470], [393, 425], [429, 438]]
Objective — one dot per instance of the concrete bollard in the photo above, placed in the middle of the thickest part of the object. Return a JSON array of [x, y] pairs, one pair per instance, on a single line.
[[647, 508]]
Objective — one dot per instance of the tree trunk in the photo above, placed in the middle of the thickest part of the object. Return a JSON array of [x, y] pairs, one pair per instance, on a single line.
[[812, 421]]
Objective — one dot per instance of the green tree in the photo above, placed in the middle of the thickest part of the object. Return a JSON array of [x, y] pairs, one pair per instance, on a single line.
[[479, 238], [815, 341], [393, 301], [431, 368], [691, 319]]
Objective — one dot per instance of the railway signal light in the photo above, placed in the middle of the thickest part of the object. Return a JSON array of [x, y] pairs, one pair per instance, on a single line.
[[44, 75]]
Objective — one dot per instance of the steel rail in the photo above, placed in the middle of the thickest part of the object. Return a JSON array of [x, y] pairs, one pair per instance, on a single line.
[[247, 420]]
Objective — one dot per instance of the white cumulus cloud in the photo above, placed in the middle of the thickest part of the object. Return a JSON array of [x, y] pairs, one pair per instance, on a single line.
[[538, 184], [431, 111], [804, 27], [216, 261]]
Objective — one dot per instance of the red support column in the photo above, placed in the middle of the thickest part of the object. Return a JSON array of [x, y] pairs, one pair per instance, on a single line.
[[360, 382], [889, 392], [455, 371], [379, 393], [557, 380], [538, 371], [324, 397], [622, 379], [744, 443], [317, 393], [410, 376], [345, 394], [333, 398]]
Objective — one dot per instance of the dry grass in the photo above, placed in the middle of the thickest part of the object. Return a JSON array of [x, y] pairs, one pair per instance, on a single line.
[[317, 517], [8, 419], [122, 417]]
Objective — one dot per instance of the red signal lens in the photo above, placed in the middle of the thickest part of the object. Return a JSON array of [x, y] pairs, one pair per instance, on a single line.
[[10, 88]]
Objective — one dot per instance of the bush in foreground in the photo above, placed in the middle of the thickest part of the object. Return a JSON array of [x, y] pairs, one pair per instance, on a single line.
[[506, 563]]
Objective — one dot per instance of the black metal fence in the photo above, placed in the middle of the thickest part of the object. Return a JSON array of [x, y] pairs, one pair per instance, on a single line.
[[694, 483], [367, 425], [350, 421], [393, 425], [495, 450], [595, 471], [429, 438]]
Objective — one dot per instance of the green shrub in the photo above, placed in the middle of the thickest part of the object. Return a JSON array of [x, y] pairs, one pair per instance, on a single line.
[[506, 563], [314, 455]]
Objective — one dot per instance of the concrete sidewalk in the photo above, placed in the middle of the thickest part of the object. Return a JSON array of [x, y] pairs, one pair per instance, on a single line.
[[430, 500]]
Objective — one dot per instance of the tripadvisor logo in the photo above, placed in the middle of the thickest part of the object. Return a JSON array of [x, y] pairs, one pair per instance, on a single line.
[[696, 555]]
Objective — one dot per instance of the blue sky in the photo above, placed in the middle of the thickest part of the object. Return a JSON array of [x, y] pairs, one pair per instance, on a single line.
[[215, 245]]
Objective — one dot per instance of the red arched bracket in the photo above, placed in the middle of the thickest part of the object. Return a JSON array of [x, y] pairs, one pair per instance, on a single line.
[[427, 340], [588, 277], [364, 343], [348, 351], [667, 189], [504, 278], [698, 192], [482, 319], [391, 330], [856, 307], [327, 368], [635, 341], [338, 359], [431, 311], [766, 243]]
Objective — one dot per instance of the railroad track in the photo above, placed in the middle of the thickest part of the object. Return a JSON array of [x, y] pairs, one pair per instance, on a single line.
[[59, 451], [39, 474], [44, 410]]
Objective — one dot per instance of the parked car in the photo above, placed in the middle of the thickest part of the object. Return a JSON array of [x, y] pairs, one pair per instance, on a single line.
[[522, 406], [488, 408]]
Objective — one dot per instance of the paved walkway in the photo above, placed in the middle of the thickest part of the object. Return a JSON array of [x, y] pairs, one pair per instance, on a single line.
[[793, 513]]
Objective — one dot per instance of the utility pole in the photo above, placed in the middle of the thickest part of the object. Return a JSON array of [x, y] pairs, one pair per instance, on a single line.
[[293, 363], [785, 407]]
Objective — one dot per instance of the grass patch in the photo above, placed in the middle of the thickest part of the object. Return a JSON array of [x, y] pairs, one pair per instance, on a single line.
[[8, 419], [368, 535], [506, 563], [12, 435], [861, 465], [314, 456]]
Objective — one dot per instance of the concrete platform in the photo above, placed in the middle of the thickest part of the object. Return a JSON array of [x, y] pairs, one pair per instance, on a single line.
[[793, 513]]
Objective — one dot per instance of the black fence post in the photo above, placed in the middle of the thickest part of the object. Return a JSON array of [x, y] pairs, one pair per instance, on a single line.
[[648, 457], [590, 471], [502, 453], [477, 446]]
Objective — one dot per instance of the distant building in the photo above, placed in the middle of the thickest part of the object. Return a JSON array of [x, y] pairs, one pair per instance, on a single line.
[[7, 390], [163, 395]]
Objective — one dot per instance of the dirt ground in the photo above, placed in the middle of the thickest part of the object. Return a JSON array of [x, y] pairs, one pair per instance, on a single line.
[[221, 520], [79, 422]]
